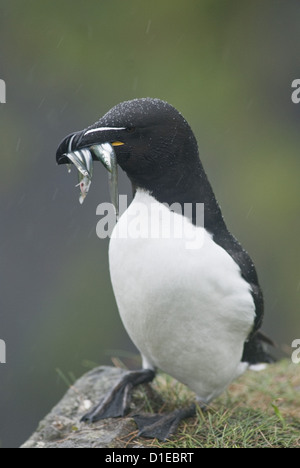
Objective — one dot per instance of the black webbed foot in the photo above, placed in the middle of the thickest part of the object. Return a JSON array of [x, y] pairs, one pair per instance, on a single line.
[[162, 426], [116, 402]]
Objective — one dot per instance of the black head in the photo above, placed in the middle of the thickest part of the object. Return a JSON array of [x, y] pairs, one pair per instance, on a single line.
[[154, 144]]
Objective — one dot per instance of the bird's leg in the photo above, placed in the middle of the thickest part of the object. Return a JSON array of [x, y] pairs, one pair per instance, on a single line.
[[116, 402], [162, 426]]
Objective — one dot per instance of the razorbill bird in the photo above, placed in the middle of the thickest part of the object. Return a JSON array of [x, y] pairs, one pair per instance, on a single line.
[[194, 313]]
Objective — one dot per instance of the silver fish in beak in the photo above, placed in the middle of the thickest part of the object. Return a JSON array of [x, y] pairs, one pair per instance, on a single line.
[[83, 161], [106, 154]]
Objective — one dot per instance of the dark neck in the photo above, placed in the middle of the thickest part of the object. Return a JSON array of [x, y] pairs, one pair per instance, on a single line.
[[192, 187]]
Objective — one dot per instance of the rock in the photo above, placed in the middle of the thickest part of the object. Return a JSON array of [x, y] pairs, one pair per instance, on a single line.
[[62, 428]]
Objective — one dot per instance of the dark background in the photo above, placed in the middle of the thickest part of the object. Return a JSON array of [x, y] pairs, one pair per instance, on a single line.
[[227, 65]]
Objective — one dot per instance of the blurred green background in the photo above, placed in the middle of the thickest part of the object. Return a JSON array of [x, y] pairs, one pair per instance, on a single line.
[[227, 65]]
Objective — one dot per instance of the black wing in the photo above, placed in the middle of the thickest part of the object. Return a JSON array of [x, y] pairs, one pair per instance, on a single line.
[[255, 348]]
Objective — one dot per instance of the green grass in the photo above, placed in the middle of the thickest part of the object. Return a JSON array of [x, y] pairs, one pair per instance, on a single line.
[[259, 410]]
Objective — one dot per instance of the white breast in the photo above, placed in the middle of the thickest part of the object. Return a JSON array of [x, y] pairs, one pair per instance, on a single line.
[[188, 310]]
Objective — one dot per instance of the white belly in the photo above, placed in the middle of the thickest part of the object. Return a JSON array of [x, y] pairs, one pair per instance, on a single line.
[[188, 311]]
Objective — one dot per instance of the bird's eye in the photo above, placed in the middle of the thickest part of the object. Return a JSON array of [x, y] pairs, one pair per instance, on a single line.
[[130, 129]]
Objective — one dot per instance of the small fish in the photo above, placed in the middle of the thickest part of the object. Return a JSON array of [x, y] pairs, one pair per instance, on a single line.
[[84, 185], [83, 161], [85, 180], [106, 154]]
